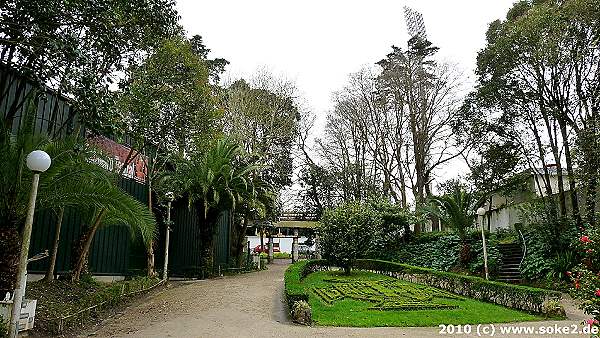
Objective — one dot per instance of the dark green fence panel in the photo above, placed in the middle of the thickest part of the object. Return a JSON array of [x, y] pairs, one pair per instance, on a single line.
[[184, 247], [113, 251], [54, 115], [222, 238]]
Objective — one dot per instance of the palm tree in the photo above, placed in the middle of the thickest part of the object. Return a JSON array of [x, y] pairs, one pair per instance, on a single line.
[[455, 211], [71, 181], [218, 180]]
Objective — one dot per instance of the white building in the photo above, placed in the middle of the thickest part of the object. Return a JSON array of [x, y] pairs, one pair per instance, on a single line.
[[505, 210]]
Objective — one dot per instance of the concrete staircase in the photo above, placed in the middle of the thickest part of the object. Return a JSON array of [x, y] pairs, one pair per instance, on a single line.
[[512, 254]]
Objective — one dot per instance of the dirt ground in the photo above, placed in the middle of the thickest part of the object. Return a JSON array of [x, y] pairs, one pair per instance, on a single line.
[[248, 305]]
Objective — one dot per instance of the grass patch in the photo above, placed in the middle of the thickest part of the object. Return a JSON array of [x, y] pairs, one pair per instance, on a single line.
[[62, 298], [357, 313]]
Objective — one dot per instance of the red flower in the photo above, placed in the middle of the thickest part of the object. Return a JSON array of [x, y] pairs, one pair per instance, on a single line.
[[597, 293], [577, 284], [589, 251], [568, 273], [585, 239], [591, 321]]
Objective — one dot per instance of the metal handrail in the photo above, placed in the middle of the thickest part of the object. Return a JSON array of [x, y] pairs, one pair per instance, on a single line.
[[524, 248]]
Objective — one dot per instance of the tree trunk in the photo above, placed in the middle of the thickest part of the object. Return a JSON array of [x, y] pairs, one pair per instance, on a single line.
[[85, 243], [51, 265], [150, 259], [571, 177], [150, 249], [9, 257]]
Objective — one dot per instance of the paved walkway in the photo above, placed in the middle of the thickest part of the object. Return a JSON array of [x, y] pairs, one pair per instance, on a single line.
[[248, 305]]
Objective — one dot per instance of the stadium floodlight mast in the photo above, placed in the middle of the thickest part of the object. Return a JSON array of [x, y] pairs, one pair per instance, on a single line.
[[414, 23], [38, 161]]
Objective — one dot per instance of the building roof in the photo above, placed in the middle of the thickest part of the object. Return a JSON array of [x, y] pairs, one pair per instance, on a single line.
[[296, 224]]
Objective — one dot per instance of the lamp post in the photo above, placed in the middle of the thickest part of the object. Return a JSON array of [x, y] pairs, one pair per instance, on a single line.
[[37, 161], [481, 213], [170, 197]]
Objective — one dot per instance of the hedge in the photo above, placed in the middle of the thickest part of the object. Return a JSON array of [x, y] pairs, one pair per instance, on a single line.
[[509, 295], [294, 291], [513, 296]]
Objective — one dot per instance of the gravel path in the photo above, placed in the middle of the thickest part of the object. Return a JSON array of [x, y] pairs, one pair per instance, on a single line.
[[248, 305]]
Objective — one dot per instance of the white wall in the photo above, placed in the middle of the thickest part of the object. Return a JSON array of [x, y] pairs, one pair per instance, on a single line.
[[285, 244]]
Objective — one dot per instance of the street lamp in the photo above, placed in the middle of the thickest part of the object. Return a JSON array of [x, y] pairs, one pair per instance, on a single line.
[[37, 161], [170, 197], [481, 213]]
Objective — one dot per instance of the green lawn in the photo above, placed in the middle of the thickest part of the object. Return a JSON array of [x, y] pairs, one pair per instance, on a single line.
[[351, 312]]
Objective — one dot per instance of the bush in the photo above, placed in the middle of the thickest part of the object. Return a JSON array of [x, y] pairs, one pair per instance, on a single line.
[[441, 251], [586, 276], [3, 328], [348, 233], [301, 313], [281, 255], [513, 296], [394, 230]]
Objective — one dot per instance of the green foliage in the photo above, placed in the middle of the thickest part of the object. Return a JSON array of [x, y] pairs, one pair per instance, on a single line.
[[549, 252], [294, 290], [282, 255], [586, 276], [394, 230], [476, 265], [267, 104], [356, 313], [222, 178], [79, 47], [3, 328], [441, 251], [514, 296], [386, 294], [438, 251], [347, 233], [455, 209], [167, 100]]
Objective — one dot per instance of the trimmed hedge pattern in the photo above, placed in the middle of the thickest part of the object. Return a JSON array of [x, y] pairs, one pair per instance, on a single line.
[[294, 290], [387, 294], [512, 296]]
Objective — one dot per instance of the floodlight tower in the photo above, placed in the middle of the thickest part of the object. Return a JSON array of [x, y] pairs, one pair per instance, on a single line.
[[414, 23]]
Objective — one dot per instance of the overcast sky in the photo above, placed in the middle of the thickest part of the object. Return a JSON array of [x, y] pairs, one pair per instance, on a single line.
[[318, 43]]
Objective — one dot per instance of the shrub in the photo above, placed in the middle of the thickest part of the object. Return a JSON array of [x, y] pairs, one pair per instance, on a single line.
[[3, 328], [586, 277], [281, 255], [394, 230], [441, 251], [348, 233], [301, 313], [513, 296]]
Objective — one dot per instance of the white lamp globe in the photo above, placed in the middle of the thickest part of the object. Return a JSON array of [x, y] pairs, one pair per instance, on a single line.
[[481, 212], [170, 196], [38, 161]]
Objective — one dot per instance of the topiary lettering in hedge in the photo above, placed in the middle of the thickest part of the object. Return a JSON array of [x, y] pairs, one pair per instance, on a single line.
[[386, 294], [513, 296]]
